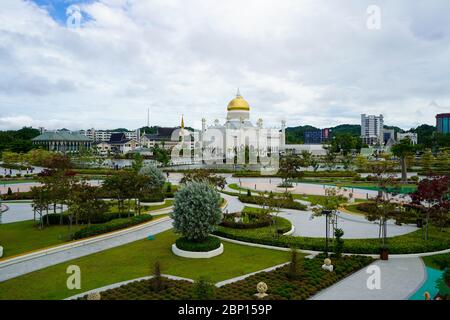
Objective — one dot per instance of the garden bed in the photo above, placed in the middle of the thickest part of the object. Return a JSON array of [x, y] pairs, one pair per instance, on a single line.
[[309, 279]]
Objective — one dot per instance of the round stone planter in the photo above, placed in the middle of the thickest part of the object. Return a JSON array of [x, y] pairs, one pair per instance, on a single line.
[[197, 255]]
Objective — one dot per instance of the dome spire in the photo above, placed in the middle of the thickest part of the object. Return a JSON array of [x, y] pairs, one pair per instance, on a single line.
[[238, 94]]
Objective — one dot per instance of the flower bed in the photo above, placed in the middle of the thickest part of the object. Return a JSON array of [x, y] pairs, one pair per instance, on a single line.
[[309, 280]]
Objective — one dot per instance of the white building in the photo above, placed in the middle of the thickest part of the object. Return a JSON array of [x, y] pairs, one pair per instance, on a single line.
[[105, 135], [372, 129], [238, 133]]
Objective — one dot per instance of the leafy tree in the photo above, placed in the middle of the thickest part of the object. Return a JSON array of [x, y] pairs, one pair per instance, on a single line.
[[361, 162], [290, 168], [138, 163], [330, 158], [432, 195], [161, 155], [384, 208], [427, 161], [196, 211], [205, 176], [403, 149], [156, 178]]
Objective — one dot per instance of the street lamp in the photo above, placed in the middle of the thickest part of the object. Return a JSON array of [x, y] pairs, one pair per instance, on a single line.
[[326, 213]]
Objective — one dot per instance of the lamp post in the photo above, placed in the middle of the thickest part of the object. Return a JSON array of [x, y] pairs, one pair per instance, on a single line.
[[326, 213]]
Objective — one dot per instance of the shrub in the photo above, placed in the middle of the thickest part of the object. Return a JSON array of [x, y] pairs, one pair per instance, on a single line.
[[112, 225], [339, 244], [255, 220], [283, 203], [293, 272], [157, 178], [204, 289], [196, 211], [158, 282], [209, 244]]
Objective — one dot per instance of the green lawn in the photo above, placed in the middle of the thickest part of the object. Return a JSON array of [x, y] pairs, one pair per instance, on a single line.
[[439, 262], [24, 236], [135, 260]]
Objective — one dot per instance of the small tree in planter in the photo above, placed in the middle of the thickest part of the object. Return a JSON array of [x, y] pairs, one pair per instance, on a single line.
[[196, 212]]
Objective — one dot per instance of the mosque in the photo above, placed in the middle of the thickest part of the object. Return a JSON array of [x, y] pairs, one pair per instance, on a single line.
[[225, 141]]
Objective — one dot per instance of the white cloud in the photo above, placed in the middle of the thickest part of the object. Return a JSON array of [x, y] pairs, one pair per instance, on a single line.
[[309, 62]]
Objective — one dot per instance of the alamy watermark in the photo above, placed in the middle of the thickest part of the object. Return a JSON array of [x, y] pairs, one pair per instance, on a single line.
[[374, 17], [74, 279], [74, 16]]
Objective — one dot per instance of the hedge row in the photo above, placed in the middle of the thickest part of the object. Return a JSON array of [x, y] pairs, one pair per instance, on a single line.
[[112, 225], [287, 204], [211, 243], [306, 174], [55, 218], [258, 221], [406, 244]]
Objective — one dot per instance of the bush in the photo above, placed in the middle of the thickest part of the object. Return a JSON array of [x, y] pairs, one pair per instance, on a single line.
[[204, 289], [255, 220], [284, 203], [209, 244], [157, 178], [55, 218], [196, 211], [111, 226]]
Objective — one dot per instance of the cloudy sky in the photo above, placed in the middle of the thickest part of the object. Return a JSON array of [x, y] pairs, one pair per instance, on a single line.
[[305, 61]]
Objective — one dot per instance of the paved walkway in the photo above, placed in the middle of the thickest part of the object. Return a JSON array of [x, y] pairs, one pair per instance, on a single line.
[[355, 227], [42, 261], [400, 278]]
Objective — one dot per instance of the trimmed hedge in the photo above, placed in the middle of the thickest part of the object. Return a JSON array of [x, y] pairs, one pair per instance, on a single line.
[[18, 196], [210, 244], [54, 218], [259, 200], [110, 226], [406, 244]]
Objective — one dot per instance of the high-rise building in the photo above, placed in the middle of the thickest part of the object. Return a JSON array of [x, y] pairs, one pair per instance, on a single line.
[[443, 123], [372, 129]]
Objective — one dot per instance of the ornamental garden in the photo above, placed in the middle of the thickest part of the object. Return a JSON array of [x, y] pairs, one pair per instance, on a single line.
[[203, 234]]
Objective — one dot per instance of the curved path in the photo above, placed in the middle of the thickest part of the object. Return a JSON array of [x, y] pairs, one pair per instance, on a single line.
[[355, 227], [14, 267], [399, 279]]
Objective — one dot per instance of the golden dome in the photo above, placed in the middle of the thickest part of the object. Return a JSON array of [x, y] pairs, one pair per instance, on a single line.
[[238, 104]]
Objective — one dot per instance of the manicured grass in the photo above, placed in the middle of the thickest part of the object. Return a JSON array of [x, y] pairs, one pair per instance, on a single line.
[[6, 182], [353, 208], [136, 260], [167, 204], [439, 262], [24, 236]]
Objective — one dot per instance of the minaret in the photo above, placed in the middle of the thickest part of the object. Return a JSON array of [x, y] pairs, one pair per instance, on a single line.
[[283, 135]]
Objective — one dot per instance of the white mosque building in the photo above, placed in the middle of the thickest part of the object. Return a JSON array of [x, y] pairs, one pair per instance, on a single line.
[[225, 141]]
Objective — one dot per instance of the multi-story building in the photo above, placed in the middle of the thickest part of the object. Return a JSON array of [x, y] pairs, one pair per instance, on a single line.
[[443, 123], [105, 135], [372, 129]]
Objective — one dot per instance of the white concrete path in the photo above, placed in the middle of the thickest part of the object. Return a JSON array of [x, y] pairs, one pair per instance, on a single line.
[[400, 278], [14, 267], [355, 227]]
